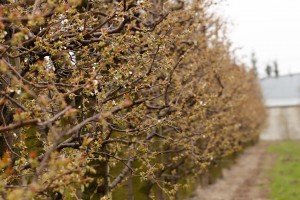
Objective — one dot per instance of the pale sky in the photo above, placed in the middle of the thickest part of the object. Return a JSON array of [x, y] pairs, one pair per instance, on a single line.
[[270, 28]]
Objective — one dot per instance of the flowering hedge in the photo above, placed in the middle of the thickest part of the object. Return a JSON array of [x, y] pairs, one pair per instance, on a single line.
[[96, 92]]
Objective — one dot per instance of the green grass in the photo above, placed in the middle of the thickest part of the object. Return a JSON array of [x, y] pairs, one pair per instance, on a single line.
[[285, 174]]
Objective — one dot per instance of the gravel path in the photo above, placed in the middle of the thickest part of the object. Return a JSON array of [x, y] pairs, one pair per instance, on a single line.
[[245, 180]]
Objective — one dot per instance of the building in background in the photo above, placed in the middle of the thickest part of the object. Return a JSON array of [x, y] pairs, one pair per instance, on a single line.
[[282, 98]]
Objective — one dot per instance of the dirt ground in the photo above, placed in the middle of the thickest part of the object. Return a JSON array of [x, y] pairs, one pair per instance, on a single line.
[[245, 180]]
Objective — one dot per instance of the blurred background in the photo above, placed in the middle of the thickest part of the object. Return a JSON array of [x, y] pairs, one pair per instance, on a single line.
[[267, 30], [265, 35]]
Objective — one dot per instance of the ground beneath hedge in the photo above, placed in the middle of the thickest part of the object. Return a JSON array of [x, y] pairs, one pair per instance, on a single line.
[[247, 179]]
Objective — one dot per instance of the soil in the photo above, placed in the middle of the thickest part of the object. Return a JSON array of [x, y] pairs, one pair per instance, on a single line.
[[247, 179]]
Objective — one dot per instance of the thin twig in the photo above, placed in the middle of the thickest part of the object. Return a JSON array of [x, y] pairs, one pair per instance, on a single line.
[[15, 102]]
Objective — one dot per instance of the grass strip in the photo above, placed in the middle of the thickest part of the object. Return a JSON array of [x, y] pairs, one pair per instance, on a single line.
[[285, 174]]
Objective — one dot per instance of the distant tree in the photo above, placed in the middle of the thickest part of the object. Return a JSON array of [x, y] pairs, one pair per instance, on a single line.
[[254, 62], [276, 69], [269, 70]]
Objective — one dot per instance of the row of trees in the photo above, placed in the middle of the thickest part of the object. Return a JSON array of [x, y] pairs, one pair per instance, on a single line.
[[269, 69], [96, 92]]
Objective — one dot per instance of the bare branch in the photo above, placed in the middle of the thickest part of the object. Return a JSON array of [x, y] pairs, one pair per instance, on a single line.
[[123, 174], [15, 102], [55, 117], [19, 125]]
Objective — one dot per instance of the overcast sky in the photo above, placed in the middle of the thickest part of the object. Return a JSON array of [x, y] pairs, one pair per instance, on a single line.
[[270, 28]]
